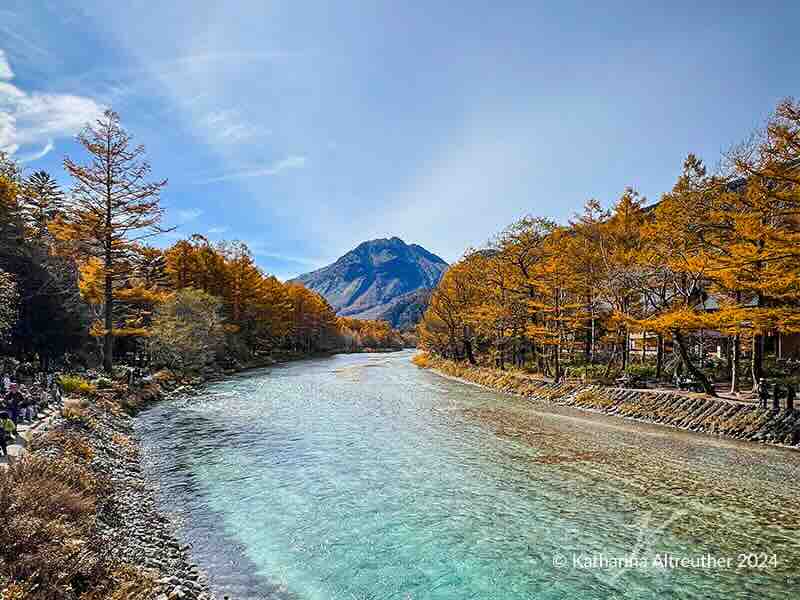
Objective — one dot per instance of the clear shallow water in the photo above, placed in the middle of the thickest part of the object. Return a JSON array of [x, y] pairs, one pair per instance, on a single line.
[[363, 477]]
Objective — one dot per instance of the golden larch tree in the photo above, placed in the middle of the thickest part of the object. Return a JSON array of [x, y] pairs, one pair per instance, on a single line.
[[113, 207]]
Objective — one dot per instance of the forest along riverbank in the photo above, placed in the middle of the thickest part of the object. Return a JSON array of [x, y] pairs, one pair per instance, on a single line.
[[364, 476], [693, 412]]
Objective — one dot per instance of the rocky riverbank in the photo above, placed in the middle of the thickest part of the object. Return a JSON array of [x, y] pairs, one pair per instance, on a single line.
[[104, 506], [693, 412]]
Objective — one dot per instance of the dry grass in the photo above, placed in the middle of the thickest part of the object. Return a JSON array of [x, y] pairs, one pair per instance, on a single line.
[[52, 546], [78, 412], [593, 399], [511, 381], [124, 443], [47, 509]]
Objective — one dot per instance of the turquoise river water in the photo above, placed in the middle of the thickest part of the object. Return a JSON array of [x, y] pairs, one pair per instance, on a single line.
[[363, 477]]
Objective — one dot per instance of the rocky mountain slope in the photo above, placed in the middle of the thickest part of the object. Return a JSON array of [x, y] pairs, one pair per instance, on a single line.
[[380, 279]]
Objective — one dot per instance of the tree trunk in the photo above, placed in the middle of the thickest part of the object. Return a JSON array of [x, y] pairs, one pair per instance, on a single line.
[[659, 355], [468, 350], [108, 349], [108, 345], [690, 366], [611, 358], [644, 347], [735, 353], [557, 362], [757, 359], [624, 348], [587, 346], [540, 361]]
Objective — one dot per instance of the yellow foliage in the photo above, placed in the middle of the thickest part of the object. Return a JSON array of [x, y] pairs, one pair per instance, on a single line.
[[730, 242], [422, 360], [72, 384]]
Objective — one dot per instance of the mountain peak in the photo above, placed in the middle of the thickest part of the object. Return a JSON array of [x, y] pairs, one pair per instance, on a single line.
[[379, 242], [373, 279]]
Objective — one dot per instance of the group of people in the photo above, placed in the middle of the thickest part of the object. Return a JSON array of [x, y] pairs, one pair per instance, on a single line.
[[21, 405], [778, 393]]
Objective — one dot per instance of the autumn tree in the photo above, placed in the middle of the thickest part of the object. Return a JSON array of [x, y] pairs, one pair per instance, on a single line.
[[113, 207], [585, 265], [674, 263], [9, 299], [519, 308], [757, 239], [151, 267], [11, 233], [187, 330], [620, 249], [181, 264], [357, 334], [50, 317], [41, 201], [313, 321]]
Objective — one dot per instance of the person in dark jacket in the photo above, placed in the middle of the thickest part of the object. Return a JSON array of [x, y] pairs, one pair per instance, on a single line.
[[14, 401]]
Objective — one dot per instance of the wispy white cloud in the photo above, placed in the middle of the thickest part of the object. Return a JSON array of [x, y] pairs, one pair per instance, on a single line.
[[285, 164], [168, 68], [189, 214], [5, 69], [21, 41], [261, 250], [230, 127], [32, 118], [48, 147], [217, 230]]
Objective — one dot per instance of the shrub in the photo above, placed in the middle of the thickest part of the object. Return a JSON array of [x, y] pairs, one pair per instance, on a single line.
[[120, 372], [421, 359], [104, 383], [72, 384], [588, 372], [78, 413], [187, 330], [641, 371], [73, 409]]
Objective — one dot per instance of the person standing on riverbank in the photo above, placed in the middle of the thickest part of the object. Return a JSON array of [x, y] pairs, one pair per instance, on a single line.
[[14, 400], [7, 432], [28, 407]]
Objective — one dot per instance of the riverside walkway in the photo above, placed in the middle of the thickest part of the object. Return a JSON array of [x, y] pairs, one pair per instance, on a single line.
[[26, 431]]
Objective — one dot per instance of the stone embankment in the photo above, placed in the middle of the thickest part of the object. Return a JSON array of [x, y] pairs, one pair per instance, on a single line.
[[693, 412], [143, 536]]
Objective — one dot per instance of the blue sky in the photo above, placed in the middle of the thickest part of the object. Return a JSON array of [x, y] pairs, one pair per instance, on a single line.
[[305, 128]]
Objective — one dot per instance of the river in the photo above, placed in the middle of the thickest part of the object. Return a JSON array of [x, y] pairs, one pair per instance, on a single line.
[[364, 477]]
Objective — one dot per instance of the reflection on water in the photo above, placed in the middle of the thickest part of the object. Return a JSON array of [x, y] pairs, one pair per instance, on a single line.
[[361, 477]]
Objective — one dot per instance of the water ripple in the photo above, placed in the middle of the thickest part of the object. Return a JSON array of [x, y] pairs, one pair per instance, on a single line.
[[364, 477]]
